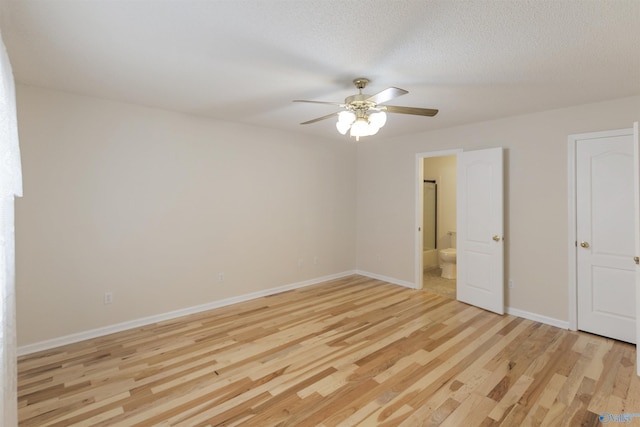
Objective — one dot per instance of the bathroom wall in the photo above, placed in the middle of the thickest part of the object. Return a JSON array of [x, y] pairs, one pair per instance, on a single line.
[[443, 170]]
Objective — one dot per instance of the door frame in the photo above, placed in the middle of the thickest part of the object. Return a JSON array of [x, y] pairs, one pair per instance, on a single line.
[[572, 237], [419, 178]]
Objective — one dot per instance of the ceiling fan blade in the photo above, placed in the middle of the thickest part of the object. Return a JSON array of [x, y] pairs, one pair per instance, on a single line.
[[411, 110], [328, 116], [387, 95], [320, 102]]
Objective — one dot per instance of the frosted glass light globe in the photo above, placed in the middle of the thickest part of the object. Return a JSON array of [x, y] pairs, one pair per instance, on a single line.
[[378, 119], [360, 127], [346, 117], [343, 127]]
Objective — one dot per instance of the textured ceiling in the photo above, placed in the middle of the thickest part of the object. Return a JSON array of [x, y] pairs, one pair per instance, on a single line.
[[245, 61]]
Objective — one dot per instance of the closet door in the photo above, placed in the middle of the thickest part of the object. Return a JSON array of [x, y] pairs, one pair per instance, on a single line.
[[605, 224]]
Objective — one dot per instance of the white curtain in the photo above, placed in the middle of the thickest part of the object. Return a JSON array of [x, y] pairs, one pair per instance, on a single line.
[[10, 186]]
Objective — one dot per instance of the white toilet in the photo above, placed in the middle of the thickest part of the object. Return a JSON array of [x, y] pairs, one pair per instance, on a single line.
[[448, 262], [448, 258]]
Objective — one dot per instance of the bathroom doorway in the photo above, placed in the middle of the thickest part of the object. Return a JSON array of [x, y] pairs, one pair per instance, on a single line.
[[439, 224], [479, 226]]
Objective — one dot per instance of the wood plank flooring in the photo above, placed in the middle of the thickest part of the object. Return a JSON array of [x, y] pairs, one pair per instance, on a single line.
[[353, 351]]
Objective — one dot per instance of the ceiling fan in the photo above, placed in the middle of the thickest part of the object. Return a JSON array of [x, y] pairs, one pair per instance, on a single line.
[[363, 114]]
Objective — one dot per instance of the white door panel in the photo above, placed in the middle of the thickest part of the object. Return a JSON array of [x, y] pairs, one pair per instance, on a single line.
[[480, 264], [636, 220], [606, 242]]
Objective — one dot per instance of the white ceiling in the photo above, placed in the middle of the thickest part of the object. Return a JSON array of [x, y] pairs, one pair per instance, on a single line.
[[245, 60]]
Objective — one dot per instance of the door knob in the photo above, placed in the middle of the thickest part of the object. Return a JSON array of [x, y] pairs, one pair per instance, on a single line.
[[584, 244], [496, 238]]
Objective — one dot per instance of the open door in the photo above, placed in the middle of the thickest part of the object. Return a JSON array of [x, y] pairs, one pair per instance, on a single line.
[[636, 197], [480, 243]]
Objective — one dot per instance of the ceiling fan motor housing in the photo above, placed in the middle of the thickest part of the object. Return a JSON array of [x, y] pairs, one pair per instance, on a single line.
[[359, 102]]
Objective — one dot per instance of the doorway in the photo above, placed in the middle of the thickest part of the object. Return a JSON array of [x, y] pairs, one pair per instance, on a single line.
[[479, 252]]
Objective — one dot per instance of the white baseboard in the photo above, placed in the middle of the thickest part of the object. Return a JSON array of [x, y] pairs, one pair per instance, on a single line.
[[538, 318], [509, 310], [387, 279], [106, 330]]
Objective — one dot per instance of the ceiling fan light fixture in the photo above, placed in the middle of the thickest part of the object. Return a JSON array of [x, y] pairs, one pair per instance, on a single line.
[[363, 126], [360, 127], [347, 117], [363, 114], [343, 127], [378, 118], [373, 129]]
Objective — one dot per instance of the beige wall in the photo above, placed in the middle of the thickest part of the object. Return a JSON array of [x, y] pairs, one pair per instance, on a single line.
[[536, 224], [151, 205]]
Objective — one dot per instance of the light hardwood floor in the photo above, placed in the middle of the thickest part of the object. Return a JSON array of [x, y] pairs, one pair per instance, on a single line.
[[353, 351]]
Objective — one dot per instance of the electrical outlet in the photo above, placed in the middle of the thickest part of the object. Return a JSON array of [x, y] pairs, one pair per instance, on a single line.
[[108, 298], [510, 284], [220, 277], [300, 263], [315, 260]]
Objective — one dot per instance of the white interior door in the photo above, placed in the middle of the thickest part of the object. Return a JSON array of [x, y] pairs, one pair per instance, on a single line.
[[636, 216], [480, 246], [606, 242]]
